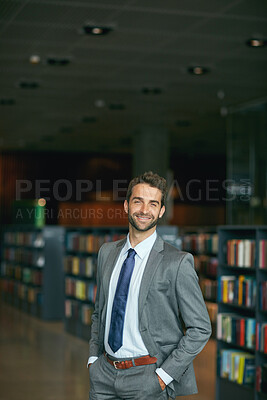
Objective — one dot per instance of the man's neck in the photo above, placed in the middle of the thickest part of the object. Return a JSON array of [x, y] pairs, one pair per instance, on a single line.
[[137, 237]]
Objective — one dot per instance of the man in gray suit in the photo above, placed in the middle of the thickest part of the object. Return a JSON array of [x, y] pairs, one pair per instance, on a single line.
[[150, 320]]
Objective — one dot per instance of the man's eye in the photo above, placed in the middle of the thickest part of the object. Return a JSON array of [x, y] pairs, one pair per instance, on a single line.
[[154, 204]]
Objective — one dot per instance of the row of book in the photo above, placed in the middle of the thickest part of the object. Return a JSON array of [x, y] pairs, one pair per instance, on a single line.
[[22, 291], [234, 329], [200, 243], [90, 243], [81, 290], [261, 337], [239, 290], [206, 265], [261, 378], [32, 295], [33, 239], [263, 254], [23, 274], [212, 310], [237, 366], [78, 311], [82, 266], [263, 296], [25, 256], [209, 289], [241, 252]]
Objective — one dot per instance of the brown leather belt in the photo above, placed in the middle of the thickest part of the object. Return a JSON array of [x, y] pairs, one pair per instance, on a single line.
[[134, 362]]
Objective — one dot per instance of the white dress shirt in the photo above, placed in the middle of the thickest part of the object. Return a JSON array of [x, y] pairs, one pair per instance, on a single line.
[[133, 345]]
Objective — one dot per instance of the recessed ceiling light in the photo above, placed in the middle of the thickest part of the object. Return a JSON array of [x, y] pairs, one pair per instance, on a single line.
[[221, 94], [155, 90], [99, 103], [197, 70], [256, 42], [57, 61], [7, 102], [35, 59], [117, 106], [29, 85], [96, 30]]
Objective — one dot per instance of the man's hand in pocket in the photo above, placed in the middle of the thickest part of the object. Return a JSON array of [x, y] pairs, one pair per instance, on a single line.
[[162, 384]]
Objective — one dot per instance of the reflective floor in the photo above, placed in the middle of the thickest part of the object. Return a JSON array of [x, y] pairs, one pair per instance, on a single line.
[[39, 361]]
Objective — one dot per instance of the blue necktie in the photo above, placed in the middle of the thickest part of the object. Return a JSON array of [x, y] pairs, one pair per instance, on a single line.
[[119, 302]]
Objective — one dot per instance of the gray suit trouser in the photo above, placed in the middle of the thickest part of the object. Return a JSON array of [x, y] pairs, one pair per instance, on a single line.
[[136, 383]]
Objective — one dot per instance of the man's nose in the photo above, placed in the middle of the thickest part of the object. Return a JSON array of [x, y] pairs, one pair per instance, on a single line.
[[144, 208]]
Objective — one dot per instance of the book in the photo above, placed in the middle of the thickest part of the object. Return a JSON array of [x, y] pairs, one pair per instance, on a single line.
[[225, 364], [235, 357], [263, 253], [241, 252], [242, 332], [263, 296], [249, 370], [241, 370], [239, 290], [258, 378], [232, 328], [237, 366]]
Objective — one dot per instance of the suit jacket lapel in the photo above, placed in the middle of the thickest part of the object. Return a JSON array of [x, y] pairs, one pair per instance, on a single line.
[[110, 264], [107, 272], [153, 262]]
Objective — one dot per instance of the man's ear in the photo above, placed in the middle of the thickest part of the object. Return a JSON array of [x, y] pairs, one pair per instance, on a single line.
[[126, 206], [162, 211]]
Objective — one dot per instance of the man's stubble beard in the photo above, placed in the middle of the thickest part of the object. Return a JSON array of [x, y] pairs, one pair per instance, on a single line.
[[147, 228]]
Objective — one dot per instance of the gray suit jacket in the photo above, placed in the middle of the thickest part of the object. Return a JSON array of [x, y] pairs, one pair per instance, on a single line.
[[169, 294]]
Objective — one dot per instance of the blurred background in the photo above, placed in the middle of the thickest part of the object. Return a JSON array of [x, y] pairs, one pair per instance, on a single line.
[[93, 93]]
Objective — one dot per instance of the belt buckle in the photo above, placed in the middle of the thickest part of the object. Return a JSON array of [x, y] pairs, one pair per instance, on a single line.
[[114, 364]]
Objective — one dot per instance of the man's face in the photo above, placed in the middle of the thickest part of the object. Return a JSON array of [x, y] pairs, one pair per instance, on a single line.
[[144, 207]]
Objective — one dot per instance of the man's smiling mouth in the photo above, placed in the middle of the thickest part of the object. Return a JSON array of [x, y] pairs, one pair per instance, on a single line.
[[143, 218]]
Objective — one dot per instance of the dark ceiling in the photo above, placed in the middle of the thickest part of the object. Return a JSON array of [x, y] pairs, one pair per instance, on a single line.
[[151, 45]]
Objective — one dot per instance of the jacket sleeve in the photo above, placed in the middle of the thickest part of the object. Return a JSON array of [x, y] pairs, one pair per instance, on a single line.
[[94, 340], [196, 319]]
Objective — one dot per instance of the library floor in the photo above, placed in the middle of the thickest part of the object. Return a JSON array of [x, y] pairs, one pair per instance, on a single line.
[[39, 361]]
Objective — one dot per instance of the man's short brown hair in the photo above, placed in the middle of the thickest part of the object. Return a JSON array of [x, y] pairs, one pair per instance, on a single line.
[[153, 180]]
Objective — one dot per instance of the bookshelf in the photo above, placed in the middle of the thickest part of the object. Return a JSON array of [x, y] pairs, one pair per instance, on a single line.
[[242, 316], [203, 244], [80, 264], [32, 270]]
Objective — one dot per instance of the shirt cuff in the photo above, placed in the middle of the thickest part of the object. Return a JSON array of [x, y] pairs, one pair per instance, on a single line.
[[164, 376], [91, 360]]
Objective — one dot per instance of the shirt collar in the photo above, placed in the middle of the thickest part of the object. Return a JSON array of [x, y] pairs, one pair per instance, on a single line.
[[143, 247]]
